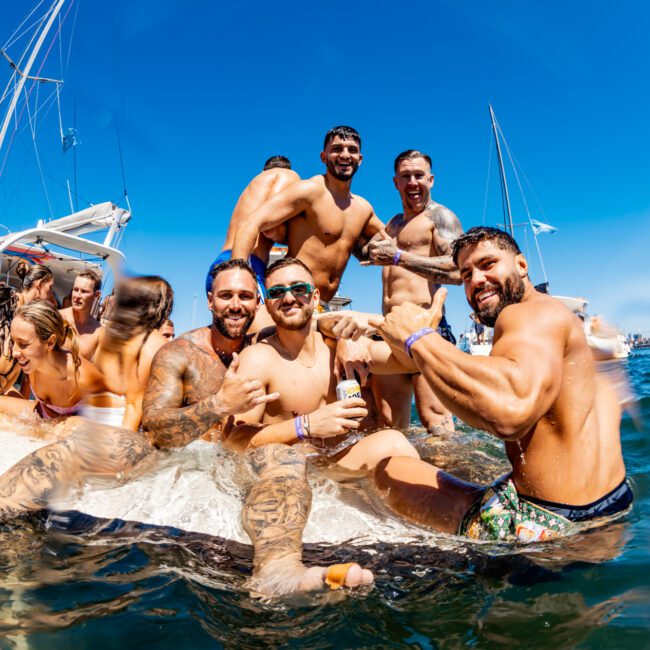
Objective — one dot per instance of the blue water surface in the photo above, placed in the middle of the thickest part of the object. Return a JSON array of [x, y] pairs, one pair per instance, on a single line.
[[95, 584]]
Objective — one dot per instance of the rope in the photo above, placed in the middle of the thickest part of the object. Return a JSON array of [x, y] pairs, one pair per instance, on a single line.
[[32, 123], [10, 42]]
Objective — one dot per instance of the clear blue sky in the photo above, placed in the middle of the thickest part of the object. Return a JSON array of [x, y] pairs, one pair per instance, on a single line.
[[204, 92]]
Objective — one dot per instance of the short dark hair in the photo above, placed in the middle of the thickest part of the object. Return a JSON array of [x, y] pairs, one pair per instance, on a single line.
[[281, 162], [343, 132], [232, 264], [91, 274], [501, 239], [410, 154], [286, 261]]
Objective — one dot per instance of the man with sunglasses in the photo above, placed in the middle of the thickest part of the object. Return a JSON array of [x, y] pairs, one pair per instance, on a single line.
[[325, 221], [297, 363]]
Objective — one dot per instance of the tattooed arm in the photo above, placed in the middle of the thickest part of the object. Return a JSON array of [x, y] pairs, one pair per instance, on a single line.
[[439, 268], [165, 413]]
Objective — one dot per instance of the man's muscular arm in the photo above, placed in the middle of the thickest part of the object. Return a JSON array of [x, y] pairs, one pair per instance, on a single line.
[[441, 268], [291, 201], [164, 414]]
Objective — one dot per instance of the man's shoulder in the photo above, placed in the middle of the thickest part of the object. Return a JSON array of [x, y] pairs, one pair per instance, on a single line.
[[66, 313], [188, 344], [539, 313]]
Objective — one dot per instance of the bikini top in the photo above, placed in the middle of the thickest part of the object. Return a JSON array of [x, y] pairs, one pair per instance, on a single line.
[[59, 410]]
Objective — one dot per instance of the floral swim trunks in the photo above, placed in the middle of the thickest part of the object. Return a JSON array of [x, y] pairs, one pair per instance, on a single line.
[[500, 513]]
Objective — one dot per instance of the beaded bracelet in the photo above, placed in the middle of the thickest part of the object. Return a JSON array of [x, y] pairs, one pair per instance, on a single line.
[[398, 256], [416, 336]]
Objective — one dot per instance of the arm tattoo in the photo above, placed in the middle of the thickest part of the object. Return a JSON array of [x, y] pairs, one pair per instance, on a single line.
[[166, 414], [440, 269], [276, 509]]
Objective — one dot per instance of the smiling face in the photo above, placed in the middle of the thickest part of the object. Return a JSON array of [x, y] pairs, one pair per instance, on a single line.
[[342, 158], [233, 302], [493, 279], [83, 295], [28, 350], [414, 181], [289, 311]]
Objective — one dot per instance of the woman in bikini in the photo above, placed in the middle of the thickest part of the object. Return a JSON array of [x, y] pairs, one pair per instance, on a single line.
[[59, 378], [9, 368], [127, 346]]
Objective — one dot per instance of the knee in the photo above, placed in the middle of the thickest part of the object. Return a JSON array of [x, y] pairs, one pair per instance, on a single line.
[[277, 458], [395, 443]]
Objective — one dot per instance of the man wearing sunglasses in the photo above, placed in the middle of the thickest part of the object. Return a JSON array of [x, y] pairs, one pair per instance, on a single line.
[[297, 363], [324, 220]]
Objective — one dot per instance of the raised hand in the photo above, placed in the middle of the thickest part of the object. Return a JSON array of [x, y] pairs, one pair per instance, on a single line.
[[239, 394], [407, 318], [352, 357], [337, 418]]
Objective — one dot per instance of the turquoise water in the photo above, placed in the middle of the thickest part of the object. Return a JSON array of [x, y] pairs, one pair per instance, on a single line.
[[83, 583]]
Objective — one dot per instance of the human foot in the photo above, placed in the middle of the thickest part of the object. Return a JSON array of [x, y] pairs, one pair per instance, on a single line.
[[280, 578]]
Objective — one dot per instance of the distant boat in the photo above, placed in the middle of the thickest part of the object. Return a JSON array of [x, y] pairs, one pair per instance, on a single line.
[[609, 343]]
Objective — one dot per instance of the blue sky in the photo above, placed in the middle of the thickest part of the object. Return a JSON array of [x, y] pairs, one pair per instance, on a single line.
[[204, 92]]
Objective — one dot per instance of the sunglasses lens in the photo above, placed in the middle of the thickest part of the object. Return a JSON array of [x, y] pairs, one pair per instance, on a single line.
[[300, 289], [275, 292]]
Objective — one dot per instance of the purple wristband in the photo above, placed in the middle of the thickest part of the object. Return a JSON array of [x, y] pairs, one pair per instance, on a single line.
[[398, 256], [297, 423], [416, 336]]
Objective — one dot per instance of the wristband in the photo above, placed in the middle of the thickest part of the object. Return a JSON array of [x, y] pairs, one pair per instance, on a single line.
[[306, 425], [398, 256], [416, 336], [297, 423]]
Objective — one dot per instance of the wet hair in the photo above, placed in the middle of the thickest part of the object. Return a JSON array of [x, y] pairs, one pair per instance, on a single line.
[[410, 154], [47, 321], [277, 162], [8, 302], [286, 261], [500, 238], [343, 132], [30, 274], [232, 264], [141, 304], [91, 275]]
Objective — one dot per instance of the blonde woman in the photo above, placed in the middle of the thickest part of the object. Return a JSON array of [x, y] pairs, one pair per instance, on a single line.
[[59, 378], [127, 346]]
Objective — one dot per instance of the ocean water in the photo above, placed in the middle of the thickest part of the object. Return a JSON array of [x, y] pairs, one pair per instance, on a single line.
[[73, 581]]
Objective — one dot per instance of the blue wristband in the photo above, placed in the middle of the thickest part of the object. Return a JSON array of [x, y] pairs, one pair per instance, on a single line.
[[297, 423], [416, 336], [398, 256]]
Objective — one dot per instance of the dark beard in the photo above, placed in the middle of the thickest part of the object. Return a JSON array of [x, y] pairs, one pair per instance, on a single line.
[[292, 325], [340, 177], [510, 293], [232, 333]]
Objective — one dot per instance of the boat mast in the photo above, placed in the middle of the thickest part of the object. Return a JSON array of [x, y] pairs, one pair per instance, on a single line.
[[24, 73], [507, 218]]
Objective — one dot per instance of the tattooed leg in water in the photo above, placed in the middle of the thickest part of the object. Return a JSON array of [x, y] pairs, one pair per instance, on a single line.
[[274, 516], [94, 450]]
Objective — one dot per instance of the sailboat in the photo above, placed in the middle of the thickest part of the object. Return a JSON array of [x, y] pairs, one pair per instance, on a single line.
[[477, 340], [63, 244]]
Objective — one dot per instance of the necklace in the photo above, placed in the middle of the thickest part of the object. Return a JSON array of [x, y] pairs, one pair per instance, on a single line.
[[225, 357]]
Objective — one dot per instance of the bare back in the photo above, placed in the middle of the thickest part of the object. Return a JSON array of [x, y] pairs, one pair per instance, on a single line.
[[259, 190], [428, 234], [578, 436], [324, 235]]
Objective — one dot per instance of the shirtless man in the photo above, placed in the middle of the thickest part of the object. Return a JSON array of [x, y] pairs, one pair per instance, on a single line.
[[416, 260], [538, 391], [297, 363], [195, 382], [324, 219], [85, 292]]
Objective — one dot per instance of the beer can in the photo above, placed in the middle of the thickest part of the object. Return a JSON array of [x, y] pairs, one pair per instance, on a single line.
[[348, 388]]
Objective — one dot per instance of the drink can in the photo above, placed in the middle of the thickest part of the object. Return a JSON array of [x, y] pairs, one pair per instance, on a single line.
[[348, 388]]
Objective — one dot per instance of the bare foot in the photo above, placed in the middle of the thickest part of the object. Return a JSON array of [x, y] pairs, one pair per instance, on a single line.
[[287, 577]]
